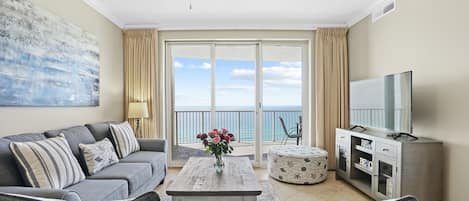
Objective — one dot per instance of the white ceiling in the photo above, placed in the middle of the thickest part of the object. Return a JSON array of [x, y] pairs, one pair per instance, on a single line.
[[232, 14]]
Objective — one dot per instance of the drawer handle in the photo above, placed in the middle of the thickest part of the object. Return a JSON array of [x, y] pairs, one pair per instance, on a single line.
[[385, 149]]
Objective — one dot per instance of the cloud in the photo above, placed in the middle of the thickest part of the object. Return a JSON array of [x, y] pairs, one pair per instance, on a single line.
[[243, 74], [235, 88], [178, 64], [291, 64], [282, 72], [205, 66], [282, 83], [275, 76]]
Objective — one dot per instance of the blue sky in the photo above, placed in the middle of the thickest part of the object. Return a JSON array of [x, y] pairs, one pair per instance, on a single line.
[[235, 83]]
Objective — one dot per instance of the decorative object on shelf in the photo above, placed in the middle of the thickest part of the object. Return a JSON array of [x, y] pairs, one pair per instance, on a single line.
[[217, 143], [366, 143], [365, 163], [138, 111], [45, 60]]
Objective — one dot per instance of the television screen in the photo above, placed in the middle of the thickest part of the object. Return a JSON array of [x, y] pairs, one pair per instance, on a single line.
[[382, 102]]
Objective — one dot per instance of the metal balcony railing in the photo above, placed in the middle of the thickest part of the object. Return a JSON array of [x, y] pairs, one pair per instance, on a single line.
[[240, 123]]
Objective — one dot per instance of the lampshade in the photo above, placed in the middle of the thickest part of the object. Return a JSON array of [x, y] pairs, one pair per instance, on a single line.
[[138, 110]]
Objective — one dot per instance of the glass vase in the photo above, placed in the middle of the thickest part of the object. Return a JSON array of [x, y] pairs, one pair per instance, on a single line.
[[219, 164]]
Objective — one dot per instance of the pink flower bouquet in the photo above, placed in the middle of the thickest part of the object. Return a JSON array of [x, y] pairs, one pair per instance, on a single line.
[[217, 143]]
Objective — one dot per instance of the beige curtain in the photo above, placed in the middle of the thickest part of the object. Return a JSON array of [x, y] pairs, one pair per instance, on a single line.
[[141, 73], [331, 71]]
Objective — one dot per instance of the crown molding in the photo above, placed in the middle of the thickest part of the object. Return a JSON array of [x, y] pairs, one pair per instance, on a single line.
[[363, 13], [105, 12], [224, 27]]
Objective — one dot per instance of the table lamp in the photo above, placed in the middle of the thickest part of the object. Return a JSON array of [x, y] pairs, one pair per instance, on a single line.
[[138, 110]]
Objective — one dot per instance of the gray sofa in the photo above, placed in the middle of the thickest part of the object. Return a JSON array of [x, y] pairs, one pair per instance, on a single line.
[[134, 175]]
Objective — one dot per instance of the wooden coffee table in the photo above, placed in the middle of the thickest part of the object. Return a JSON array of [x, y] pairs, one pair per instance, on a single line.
[[198, 181]]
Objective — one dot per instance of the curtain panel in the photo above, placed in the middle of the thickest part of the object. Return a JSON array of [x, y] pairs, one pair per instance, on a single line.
[[141, 73], [332, 85]]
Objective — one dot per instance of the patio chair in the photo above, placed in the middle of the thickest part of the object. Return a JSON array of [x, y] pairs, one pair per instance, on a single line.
[[293, 133]]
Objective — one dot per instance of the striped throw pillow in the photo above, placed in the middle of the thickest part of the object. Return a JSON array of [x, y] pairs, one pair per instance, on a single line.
[[125, 140], [98, 155], [47, 163]]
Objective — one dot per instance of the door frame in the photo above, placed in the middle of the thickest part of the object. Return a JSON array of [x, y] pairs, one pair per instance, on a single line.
[[168, 80]]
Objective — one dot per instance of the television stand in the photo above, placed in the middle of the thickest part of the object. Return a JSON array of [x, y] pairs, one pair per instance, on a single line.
[[384, 168]]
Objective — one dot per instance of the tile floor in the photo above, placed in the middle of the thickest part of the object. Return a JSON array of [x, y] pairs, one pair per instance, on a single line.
[[330, 190]]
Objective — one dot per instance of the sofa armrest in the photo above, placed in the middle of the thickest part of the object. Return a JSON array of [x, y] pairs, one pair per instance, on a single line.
[[158, 145], [41, 192]]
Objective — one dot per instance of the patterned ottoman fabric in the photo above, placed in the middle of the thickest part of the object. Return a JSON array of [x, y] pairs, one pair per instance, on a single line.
[[297, 164]]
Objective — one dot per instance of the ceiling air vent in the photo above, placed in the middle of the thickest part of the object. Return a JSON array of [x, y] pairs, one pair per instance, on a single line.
[[383, 8]]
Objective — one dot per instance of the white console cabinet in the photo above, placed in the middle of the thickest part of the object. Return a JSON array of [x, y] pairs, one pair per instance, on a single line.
[[385, 168]]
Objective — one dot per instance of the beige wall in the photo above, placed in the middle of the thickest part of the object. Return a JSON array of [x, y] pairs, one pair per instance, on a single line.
[[33, 119], [429, 37]]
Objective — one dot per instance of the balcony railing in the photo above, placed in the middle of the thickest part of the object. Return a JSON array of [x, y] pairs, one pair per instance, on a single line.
[[240, 123]]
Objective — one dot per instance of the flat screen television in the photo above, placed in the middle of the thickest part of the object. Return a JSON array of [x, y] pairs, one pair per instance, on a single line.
[[384, 102]]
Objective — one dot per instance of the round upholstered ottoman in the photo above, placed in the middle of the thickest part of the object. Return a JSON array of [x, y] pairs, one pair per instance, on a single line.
[[297, 164]]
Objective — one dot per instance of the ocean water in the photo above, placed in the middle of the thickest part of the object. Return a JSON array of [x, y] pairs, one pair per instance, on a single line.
[[240, 121]]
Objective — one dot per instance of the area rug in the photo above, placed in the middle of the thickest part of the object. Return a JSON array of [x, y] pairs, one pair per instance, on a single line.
[[268, 193]]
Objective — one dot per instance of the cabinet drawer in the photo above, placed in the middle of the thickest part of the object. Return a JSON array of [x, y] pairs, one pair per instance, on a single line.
[[341, 138], [386, 149]]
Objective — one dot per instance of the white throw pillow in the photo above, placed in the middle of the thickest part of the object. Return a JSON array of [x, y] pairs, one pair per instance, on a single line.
[[98, 155], [124, 137], [47, 163]]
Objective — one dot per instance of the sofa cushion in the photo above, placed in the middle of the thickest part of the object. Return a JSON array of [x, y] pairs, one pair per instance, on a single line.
[[136, 174], [111, 189], [75, 136], [9, 174], [156, 159], [47, 163], [20, 197], [26, 137], [98, 155], [40, 192], [100, 130]]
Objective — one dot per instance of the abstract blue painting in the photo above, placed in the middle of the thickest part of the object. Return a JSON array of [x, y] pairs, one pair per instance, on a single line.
[[45, 60]]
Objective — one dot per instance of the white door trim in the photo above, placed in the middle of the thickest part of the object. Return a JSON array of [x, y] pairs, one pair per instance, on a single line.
[[307, 89]]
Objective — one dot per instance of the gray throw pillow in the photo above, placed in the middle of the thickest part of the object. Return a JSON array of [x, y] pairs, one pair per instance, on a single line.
[[98, 155]]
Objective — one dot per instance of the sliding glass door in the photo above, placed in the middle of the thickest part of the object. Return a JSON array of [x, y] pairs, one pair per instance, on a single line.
[[245, 87], [282, 94], [235, 94], [192, 102]]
